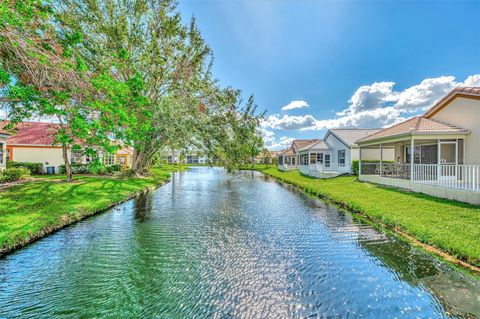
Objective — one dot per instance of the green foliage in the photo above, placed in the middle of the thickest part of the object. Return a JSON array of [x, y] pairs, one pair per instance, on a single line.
[[108, 69], [14, 174], [76, 169], [113, 168], [34, 168], [355, 164]]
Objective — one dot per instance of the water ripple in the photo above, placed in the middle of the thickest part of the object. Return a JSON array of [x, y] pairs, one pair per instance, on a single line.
[[210, 245]]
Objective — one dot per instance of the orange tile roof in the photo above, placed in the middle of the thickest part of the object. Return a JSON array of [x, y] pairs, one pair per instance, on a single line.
[[415, 126]]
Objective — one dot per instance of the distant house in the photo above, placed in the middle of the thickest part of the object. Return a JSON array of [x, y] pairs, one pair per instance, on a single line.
[[437, 153], [34, 142], [3, 149], [335, 153], [290, 158], [267, 157], [195, 159]]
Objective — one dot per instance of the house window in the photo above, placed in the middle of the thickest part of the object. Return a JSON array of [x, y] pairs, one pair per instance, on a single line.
[[76, 157], [327, 160], [1, 153], [293, 160], [108, 159], [341, 158], [320, 158], [313, 158]]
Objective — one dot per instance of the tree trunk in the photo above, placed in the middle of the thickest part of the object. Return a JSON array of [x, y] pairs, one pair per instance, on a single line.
[[68, 169], [138, 161]]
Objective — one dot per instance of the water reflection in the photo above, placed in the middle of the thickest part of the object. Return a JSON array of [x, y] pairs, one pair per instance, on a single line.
[[210, 245]]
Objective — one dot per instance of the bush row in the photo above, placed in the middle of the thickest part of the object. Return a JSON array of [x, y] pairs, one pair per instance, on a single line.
[[34, 168], [355, 164], [14, 174], [91, 169]]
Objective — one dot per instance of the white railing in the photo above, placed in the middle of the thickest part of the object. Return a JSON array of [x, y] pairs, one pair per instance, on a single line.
[[287, 167], [465, 177]]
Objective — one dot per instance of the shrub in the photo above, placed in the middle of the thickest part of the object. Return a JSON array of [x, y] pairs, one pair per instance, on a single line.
[[355, 164], [355, 167], [76, 169], [14, 174], [113, 168], [34, 168]]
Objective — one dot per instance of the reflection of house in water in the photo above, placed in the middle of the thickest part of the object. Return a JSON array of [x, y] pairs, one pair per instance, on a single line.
[[458, 295]]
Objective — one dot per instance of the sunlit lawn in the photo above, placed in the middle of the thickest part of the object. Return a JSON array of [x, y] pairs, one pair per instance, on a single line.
[[34, 208], [451, 226]]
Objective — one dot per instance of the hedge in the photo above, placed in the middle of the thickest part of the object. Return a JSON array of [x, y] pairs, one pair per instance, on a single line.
[[34, 168], [355, 164], [14, 174]]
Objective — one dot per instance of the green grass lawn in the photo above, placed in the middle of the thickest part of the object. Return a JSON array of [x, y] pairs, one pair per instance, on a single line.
[[33, 209], [451, 226]]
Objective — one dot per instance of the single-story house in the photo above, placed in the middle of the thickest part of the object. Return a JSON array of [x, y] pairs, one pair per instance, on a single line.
[[334, 154], [289, 159], [267, 157], [34, 142], [437, 153], [3, 149]]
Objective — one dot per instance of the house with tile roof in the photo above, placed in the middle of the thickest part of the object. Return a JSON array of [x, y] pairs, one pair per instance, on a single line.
[[437, 153], [289, 159], [334, 154], [35, 142]]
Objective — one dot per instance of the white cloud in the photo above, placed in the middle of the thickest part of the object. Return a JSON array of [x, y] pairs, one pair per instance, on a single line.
[[377, 105], [296, 104], [270, 141], [472, 80], [425, 94], [289, 123], [374, 105]]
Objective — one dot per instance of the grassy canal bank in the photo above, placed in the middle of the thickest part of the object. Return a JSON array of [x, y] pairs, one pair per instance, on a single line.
[[450, 226], [33, 209]]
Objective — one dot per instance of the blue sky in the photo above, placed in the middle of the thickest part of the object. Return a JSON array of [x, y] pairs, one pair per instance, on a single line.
[[354, 63]]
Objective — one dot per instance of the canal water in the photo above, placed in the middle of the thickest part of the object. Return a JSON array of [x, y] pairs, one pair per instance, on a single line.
[[213, 245]]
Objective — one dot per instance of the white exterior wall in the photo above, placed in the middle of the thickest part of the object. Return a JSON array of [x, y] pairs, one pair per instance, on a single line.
[[337, 145], [3, 153], [464, 113], [48, 156], [442, 192], [372, 154]]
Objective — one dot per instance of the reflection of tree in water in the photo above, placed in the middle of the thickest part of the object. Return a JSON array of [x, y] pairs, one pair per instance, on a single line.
[[143, 207], [458, 294]]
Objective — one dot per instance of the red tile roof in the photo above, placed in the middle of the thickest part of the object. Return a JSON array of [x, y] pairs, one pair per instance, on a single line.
[[415, 126], [32, 133]]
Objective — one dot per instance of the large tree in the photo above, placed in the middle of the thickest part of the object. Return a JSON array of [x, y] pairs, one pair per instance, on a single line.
[[175, 98]]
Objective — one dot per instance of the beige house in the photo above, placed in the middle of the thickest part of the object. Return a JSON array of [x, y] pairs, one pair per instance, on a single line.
[[34, 142], [437, 153]]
